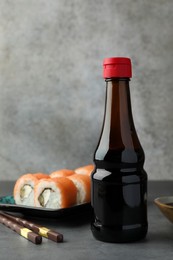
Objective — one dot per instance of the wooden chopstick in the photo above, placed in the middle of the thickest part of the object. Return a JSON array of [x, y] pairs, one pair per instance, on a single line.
[[42, 231], [24, 232]]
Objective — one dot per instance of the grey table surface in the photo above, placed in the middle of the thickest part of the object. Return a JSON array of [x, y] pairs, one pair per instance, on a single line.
[[79, 242]]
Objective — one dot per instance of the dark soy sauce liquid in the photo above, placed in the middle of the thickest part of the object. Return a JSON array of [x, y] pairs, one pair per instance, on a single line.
[[119, 182], [170, 204]]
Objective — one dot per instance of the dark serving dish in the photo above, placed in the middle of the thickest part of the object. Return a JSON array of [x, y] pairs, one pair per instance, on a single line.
[[7, 203]]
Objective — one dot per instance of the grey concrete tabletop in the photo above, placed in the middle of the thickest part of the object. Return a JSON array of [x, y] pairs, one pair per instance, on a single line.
[[79, 242]]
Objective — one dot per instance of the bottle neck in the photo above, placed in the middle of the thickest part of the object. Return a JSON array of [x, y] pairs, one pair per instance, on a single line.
[[118, 132], [119, 114]]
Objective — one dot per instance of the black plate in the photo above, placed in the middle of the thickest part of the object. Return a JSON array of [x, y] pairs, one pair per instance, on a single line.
[[7, 203]]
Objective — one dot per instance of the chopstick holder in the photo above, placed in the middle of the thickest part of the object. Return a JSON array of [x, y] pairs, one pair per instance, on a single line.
[[42, 231], [24, 232]]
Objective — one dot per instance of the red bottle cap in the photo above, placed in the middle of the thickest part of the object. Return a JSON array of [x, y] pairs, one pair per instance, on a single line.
[[117, 67]]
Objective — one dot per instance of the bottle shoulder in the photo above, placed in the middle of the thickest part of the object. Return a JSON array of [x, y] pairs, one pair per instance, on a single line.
[[119, 176], [120, 156]]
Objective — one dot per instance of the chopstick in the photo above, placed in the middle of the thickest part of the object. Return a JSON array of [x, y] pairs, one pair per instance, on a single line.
[[24, 232], [42, 231]]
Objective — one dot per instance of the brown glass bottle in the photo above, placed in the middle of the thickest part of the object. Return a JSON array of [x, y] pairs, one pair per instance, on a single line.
[[119, 182]]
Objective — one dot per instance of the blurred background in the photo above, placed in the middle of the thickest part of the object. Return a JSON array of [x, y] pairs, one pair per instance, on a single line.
[[51, 88]]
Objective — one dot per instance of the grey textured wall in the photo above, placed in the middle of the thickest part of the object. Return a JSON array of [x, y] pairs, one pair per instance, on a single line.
[[51, 89]]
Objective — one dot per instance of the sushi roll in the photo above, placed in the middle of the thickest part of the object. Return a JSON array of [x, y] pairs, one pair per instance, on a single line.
[[55, 193], [24, 188], [62, 173], [83, 185], [86, 170]]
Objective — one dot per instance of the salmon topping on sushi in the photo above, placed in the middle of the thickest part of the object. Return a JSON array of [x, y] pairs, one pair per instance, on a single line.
[[62, 173], [86, 170]]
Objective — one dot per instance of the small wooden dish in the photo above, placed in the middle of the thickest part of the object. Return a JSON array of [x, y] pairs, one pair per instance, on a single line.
[[165, 204]]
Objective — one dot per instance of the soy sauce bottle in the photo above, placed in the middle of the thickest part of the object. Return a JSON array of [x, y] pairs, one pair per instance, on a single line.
[[119, 181]]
